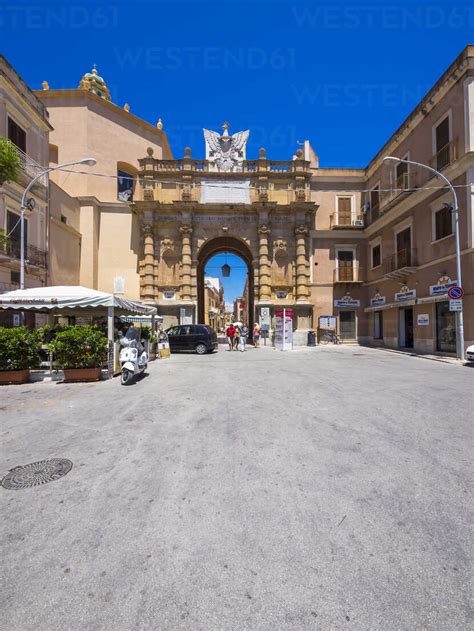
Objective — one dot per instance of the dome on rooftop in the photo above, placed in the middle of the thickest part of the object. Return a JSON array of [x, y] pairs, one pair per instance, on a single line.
[[92, 82]]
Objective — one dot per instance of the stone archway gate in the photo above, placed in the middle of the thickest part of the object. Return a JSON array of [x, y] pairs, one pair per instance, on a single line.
[[182, 205]]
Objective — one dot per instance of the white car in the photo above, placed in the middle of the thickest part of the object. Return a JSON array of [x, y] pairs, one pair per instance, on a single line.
[[470, 353]]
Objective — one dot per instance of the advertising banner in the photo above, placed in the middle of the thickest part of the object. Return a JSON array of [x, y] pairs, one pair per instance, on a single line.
[[284, 329]]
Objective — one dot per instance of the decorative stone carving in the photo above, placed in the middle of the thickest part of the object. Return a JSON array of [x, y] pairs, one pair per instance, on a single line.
[[301, 230], [186, 229], [300, 194], [280, 245], [148, 195], [167, 245], [147, 229], [264, 229], [186, 192], [262, 193], [225, 153]]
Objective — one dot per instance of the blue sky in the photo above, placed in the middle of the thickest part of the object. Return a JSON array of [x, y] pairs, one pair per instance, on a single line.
[[233, 284], [343, 75]]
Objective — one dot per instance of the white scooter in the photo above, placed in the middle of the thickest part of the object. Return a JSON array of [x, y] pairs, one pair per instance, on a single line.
[[133, 358]]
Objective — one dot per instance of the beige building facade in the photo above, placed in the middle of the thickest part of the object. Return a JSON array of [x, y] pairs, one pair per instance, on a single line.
[[23, 120]]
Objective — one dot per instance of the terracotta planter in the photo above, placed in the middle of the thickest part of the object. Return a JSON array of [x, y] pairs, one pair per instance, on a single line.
[[81, 374], [14, 376]]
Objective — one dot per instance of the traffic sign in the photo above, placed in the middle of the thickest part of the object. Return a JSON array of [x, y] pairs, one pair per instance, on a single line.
[[455, 305], [456, 292]]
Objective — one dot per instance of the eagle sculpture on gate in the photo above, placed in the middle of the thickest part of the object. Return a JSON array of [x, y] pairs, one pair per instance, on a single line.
[[225, 153]]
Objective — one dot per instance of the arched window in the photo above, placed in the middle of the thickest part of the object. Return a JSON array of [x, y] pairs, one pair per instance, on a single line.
[[126, 175]]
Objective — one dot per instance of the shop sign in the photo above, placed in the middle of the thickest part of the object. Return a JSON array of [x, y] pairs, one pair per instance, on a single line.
[[405, 293], [444, 284], [347, 301], [455, 305], [423, 319], [327, 322], [377, 300], [284, 329]]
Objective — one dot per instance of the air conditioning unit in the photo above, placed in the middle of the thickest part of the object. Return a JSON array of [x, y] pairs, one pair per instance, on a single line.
[[358, 222]]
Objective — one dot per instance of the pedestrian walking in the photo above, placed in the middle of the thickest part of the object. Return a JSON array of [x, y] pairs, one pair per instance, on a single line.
[[236, 338], [230, 332], [244, 333], [256, 334]]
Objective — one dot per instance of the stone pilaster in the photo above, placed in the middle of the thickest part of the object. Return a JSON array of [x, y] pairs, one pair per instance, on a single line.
[[302, 277], [148, 278], [186, 281], [264, 263]]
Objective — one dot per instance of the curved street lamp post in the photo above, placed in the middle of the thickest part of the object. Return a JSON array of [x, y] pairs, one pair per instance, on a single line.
[[455, 210]]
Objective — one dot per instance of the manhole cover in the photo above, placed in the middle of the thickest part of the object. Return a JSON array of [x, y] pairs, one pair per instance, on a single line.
[[36, 473]]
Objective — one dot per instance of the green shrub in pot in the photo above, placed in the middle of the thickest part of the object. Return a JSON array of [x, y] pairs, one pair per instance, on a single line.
[[79, 347], [19, 348]]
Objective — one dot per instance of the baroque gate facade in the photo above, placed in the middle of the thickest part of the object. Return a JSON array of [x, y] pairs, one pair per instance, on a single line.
[[190, 209]]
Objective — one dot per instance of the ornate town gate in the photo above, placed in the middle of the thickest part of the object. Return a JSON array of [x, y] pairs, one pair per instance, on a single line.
[[192, 209]]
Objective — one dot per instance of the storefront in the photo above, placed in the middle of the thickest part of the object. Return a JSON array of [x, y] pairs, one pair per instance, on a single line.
[[445, 328], [347, 318]]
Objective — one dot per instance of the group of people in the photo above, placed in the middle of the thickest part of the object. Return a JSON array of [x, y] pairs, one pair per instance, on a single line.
[[237, 336]]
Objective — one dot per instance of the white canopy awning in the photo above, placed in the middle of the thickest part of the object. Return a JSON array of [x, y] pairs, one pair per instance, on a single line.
[[69, 296]]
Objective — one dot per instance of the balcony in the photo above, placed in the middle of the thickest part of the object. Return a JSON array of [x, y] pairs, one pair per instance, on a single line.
[[34, 257], [444, 156], [338, 221], [31, 168], [400, 265], [348, 275]]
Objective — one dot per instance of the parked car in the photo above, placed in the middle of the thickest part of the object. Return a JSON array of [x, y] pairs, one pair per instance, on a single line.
[[192, 337], [470, 353]]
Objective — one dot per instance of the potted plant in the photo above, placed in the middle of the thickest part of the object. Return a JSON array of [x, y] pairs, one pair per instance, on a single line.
[[9, 161], [152, 347], [80, 351], [19, 351]]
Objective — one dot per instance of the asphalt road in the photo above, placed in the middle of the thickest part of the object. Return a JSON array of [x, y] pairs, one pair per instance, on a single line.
[[320, 489]]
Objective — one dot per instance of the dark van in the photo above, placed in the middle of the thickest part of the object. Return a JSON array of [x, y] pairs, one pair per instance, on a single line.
[[192, 337]]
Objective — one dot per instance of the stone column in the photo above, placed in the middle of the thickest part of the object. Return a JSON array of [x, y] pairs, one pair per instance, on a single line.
[[148, 284], [186, 284], [302, 280], [264, 275]]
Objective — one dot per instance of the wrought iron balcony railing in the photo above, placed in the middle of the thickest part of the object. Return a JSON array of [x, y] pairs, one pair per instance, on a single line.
[[402, 262], [31, 168], [33, 256], [339, 220]]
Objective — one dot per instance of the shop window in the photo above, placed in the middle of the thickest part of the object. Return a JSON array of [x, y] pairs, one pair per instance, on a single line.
[[445, 328], [443, 223], [17, 134], [376, 255], [378, 325]]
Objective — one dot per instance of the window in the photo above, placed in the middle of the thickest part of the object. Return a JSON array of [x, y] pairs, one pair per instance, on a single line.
[[17, 134], [376, 255], [445, 328], [442, 144], [404, 253], [125, 186], [345, 259], [53, 154], [378, 325], [374, 202], [401, 173], [443, 223], [344, 210], [15, 278]]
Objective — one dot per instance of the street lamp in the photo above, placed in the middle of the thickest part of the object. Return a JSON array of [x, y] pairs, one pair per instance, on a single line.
[[24, 204], [455, 210]]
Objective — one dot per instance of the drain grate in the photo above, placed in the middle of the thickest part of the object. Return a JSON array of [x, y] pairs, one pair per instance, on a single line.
[[36, 473]]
